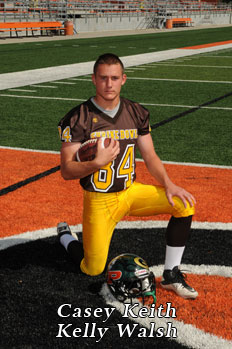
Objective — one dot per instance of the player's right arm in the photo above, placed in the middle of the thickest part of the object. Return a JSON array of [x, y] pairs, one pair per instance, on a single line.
[[72, 169]]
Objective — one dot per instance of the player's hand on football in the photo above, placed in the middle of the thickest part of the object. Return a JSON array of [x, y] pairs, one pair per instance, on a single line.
[[106, 155], [185, 196]]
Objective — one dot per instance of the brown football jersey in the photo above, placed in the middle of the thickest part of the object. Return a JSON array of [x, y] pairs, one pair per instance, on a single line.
[[86, 121]]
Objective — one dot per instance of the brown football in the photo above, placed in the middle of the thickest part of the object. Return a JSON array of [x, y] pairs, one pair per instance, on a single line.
[[88, 149]]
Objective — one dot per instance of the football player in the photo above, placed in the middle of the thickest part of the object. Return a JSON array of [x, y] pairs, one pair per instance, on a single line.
[[109, 180]]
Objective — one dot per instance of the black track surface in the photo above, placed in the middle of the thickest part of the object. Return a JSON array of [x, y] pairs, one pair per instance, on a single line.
[[37, 277]]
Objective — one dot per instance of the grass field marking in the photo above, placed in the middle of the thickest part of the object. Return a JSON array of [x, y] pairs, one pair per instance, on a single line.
[[63, 82], [38, 97], [220, 52], [21, 90], [183, 106], [143, 103], [148, 65], [41, 75], [176, 60], [79, 79], [193, 66], [136, 68], [43, 86], [44, 75], [216, 55], [180, 80], [213, 44], [28, 236], [189, 111]]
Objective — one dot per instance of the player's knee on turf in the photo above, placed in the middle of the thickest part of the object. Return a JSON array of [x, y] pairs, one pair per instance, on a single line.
[[92, 268]]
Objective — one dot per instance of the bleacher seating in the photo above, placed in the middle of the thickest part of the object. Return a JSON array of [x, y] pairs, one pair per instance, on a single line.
[[151, 10], [42, 27]]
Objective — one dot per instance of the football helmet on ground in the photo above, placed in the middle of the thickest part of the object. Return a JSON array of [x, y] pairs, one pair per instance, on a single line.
[[128, 276]]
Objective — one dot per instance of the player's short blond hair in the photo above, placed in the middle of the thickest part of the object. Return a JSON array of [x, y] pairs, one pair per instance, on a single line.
[[107, 58]]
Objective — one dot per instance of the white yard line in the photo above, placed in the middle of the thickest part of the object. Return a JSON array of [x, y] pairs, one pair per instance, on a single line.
[[45, 98], [21, 90], [80, 79], [28, 236], [143, 103], [216, 55], [137, 68], [30, 77], [182, 106], [180, 80], [137, 159], [63, 82], [191, 65], [44, 86]]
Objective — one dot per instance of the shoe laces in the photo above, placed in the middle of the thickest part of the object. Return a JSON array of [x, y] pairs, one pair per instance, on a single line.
[[180, 276]]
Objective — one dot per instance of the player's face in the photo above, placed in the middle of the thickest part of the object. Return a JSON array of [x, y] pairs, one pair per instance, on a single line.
[[108, 80]]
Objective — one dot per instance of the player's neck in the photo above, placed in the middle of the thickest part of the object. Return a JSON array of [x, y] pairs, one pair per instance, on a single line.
[[107, 104], [108, 112]]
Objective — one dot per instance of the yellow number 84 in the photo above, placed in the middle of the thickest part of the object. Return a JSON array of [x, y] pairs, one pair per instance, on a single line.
[[103, 179]]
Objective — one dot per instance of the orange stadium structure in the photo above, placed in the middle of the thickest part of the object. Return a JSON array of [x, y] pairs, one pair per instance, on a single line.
[[100, 15]]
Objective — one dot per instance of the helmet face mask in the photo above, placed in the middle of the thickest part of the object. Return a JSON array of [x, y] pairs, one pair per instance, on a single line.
[[128, 276]]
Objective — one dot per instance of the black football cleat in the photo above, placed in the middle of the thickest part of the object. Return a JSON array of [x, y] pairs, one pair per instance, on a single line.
[[174, 280]]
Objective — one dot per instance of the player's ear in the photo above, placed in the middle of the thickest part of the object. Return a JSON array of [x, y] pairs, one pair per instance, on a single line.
[[124, 77], [94, 79]]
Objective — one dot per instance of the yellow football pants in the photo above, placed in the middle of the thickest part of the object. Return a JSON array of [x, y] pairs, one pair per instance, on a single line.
[[103, 211]]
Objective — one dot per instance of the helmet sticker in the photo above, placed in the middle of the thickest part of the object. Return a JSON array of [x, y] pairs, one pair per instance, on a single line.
[[141, 262], [141, 272], [113, 276]]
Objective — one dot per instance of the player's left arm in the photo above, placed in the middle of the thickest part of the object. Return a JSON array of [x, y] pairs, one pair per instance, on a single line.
[[157, 170]]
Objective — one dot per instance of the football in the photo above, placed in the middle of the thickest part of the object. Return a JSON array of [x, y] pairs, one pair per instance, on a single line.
[[88, 149]]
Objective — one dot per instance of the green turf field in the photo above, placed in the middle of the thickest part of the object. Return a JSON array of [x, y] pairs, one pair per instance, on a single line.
[[23, 56], [30, 114]]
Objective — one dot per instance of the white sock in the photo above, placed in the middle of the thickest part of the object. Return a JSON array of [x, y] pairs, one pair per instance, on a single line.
[[66, 239], [173, 256]]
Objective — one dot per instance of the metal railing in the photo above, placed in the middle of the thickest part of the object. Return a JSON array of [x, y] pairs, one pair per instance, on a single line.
[[66, 9]]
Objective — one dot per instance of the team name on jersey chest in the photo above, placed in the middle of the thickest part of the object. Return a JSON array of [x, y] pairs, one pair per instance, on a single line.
[[116, 134]]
